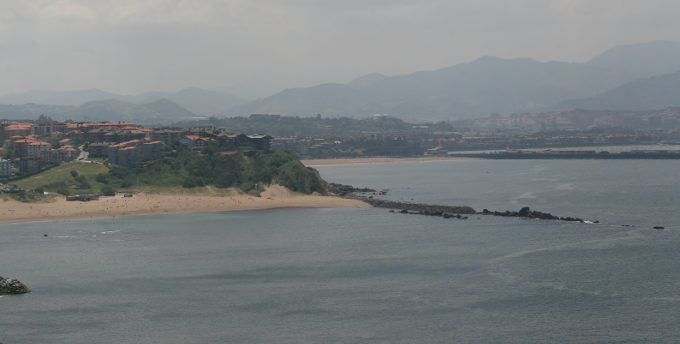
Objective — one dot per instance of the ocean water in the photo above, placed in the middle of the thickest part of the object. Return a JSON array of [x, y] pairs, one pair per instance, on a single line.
[[362, 275]]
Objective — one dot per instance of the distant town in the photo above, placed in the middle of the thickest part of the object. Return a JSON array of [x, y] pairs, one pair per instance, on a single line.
[[29, 146], [320, 137]]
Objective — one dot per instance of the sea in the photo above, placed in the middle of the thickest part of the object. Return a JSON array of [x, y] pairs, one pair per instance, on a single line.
[[367, 275]]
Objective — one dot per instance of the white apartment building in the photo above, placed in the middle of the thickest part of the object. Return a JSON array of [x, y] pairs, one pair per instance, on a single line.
[[5, 168]]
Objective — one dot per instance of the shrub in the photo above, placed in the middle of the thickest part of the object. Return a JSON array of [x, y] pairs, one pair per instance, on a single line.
[[101, 178], [108, 191]]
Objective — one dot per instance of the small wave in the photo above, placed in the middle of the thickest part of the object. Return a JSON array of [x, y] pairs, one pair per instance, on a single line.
[[590, 244], [526, 195], [111, 232], [562, 287], [565, 186]]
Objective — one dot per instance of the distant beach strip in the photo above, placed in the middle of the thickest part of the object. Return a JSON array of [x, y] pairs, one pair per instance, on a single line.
[[347, 161], [273, 197]]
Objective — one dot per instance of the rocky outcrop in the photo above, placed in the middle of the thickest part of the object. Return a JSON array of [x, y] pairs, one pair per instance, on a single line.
[[528, 213], [12, 286], [344, 190], [445, 211], [419, 208]]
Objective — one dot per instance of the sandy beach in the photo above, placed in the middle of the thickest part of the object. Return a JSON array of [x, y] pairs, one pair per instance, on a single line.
[[274, 197], [343, 161]]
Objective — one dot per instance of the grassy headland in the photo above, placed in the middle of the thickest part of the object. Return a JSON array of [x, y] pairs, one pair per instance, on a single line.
[[181, 168]]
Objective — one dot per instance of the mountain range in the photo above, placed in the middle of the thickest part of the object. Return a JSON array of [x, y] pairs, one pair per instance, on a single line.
[[630, 77], [195, 100], [488, 85], [161, 111]]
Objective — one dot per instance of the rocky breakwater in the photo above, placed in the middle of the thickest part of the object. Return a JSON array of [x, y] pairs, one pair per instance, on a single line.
[[447, 211], [531, 214], [347, 190], [12, 286]]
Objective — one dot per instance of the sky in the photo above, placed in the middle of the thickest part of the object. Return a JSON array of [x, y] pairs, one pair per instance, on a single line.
[[256, 47]]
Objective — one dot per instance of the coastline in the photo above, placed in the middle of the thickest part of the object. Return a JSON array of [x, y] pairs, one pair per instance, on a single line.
[[273, 197], [346, 161]]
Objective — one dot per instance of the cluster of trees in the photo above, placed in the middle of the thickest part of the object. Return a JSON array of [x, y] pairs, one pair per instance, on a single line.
[[190, 169]]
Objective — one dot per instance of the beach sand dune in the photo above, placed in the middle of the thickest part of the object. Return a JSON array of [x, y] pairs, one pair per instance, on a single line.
[[274, 196]]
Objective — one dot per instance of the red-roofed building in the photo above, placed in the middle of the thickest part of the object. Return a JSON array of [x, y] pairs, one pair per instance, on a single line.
[[35, 147], [135, 151], [195, 141]]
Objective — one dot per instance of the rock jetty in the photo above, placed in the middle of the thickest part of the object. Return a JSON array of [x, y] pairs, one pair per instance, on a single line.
[[445, 211], [420, 208], [345, 190], [12, 286], [528, 213]]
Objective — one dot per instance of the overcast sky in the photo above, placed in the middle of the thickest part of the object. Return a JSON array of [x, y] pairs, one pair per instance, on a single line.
[[130, 46]]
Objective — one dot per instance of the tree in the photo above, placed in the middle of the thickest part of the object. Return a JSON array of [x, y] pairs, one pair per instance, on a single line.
[[108, 191]]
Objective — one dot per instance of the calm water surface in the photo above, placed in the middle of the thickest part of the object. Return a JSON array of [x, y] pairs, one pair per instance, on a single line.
[[366, 275]]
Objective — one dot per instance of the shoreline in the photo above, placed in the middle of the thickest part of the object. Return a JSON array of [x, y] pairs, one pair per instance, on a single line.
[[274, 197], [373, 160]]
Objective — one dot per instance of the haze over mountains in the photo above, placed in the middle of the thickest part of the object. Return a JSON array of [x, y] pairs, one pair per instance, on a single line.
[[630, 77], [161, 111], [487, 85], [193, 100]]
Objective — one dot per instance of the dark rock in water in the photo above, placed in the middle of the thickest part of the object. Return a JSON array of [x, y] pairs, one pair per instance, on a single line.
[[524, 212], [659, 227], [344, 190], [531, 214], [12, 286]]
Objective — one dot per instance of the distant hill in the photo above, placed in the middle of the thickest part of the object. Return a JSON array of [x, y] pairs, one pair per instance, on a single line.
[[482, 87], [159, 112], [77, 97], [196, 100], [656, 92], [641, 60], [474, 89]]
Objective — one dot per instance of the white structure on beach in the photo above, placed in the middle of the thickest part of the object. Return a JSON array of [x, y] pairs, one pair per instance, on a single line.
[[5, 168]]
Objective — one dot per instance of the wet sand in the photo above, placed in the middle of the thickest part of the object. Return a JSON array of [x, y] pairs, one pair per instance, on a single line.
[[274, 197]]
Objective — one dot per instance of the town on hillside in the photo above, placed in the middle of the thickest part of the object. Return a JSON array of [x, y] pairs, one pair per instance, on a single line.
[[29, 146]]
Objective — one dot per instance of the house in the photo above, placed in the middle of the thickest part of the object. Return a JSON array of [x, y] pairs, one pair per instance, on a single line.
[[194, 141], [65, 153], [35, 147], [167, 136], [132, 152], [99, 150]]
